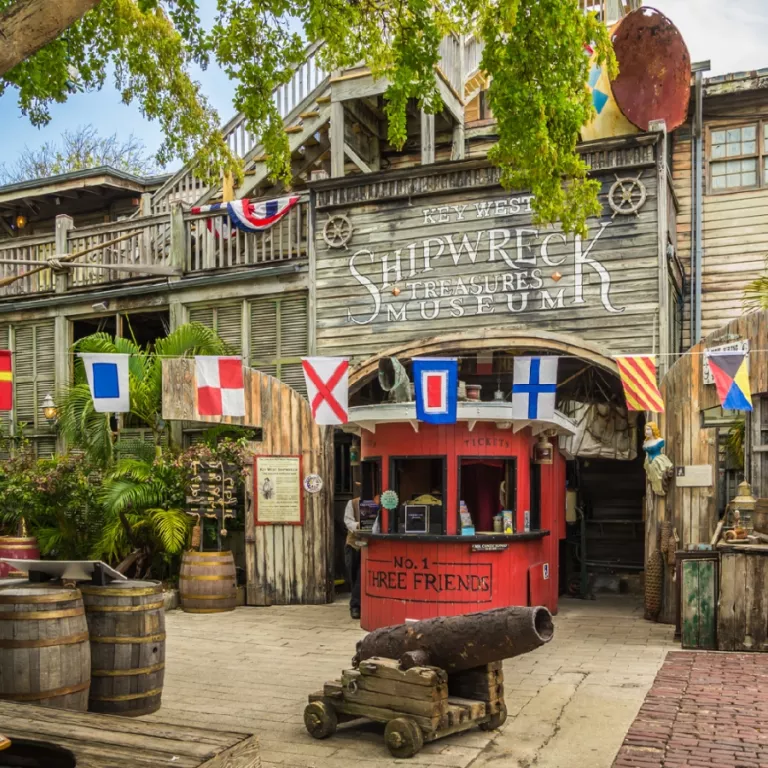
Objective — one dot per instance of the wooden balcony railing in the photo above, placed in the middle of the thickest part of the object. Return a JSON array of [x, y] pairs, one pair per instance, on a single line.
[[212, 243], [174, 244], [140, 242], [21, 255]]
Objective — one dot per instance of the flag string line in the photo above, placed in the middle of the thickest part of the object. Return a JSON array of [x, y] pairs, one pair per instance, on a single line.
[[437, 357]]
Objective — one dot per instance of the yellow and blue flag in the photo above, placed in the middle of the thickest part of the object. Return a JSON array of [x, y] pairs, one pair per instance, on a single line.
[[730, 371]]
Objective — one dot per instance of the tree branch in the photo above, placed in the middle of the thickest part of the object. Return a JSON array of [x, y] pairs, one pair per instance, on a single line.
[[27, 25]]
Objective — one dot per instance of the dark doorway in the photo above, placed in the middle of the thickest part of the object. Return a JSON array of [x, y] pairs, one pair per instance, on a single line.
[[145, 327], [90, 325]]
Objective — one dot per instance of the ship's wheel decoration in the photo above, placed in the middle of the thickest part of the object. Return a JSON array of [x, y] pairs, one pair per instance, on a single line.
[[337, 231], [627, 196]]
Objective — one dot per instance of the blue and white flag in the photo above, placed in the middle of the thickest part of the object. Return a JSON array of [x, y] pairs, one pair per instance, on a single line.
[[436, 383], [534, 388], [108, 379]]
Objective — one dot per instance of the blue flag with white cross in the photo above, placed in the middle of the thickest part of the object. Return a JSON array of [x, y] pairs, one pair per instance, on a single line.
[[107, 376], [534, 388]]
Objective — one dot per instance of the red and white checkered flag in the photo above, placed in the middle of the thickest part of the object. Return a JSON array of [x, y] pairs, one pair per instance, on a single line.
[[220, 388], [327, 388]]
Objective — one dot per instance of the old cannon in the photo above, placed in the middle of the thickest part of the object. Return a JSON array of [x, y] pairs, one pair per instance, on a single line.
[[429, 679]]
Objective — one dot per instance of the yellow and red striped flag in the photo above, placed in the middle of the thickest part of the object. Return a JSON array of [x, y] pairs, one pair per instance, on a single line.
[[638, 377]]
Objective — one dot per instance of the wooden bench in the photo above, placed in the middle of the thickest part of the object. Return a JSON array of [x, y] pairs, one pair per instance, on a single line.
[[103, 741]]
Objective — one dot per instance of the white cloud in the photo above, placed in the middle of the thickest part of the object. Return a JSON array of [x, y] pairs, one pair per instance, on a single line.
[[730, 34]]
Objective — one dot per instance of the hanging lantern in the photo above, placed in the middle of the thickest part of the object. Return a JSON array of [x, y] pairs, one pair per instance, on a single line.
[[543, 451], [21, 221], [744, 502]]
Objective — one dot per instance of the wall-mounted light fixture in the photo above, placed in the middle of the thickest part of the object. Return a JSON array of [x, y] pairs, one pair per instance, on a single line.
[[50, 411], [21, 221]]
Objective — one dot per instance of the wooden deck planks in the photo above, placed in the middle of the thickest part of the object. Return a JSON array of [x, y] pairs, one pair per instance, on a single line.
[[102, 741]]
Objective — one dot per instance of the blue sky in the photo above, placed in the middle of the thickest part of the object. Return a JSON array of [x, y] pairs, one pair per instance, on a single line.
[[731, 35]]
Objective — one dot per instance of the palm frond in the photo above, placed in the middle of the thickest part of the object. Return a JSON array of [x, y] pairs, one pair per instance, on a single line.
[[171, 527], [82, 426], [756, 294], [120, 495]]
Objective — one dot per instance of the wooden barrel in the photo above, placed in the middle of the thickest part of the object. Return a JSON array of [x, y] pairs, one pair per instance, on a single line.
[[17, 548], [126, 621], [45, 657], [207, 583]]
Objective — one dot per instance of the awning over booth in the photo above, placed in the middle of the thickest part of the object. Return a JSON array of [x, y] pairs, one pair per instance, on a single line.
[[368, 416]]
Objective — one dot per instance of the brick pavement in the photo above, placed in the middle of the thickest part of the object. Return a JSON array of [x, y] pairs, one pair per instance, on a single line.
[[704, 710], [570, 702]]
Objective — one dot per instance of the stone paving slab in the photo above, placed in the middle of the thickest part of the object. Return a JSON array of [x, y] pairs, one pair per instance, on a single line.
[[704, 710], [253, 668]]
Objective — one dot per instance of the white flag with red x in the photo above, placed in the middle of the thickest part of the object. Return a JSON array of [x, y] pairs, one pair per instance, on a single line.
[[327, 388]]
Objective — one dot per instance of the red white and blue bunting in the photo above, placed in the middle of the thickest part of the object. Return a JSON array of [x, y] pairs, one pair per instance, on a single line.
[[249, 216]]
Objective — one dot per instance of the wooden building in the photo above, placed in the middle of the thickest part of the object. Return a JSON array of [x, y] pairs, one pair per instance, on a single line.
[[722, 236], [693, 428], [405, 252]]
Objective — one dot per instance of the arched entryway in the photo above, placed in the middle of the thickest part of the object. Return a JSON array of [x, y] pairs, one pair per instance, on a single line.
[[491, 339], [608, 488]]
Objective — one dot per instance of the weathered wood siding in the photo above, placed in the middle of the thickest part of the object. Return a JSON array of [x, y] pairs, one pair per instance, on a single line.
[[742, 620], [734, 227], [285, 563], [693, 511], [435, 250]]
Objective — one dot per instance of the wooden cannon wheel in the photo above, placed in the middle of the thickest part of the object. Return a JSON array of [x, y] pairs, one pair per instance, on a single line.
[[320, 719], [403, 737], [496, 720]]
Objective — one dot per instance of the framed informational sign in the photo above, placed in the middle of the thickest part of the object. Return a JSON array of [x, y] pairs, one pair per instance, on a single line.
[[277, 490]]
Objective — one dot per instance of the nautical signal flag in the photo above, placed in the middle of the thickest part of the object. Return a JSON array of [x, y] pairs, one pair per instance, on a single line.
[[220, 387], [730, 371], [327, 381], [436, 382], [638, 377], [6, 380], [534, 388], [107, 376]]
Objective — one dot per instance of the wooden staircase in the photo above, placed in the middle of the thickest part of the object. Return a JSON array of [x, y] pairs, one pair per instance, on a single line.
[[297, 102]]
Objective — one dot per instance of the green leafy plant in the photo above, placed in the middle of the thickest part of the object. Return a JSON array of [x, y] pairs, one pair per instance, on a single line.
[[756, 294], [534, 57], [91, 431], [144, 514]]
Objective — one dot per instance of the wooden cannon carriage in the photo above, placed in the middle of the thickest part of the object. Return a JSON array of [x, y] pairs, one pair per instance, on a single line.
[[433, 678]]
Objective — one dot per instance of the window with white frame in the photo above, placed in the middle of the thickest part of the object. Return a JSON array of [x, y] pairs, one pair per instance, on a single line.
[[736, 157]]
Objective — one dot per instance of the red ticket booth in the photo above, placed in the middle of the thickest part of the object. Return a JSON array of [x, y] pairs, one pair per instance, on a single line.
[[426, 561]]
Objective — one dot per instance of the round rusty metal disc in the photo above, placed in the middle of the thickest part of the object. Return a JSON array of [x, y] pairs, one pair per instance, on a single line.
[[654, 80]]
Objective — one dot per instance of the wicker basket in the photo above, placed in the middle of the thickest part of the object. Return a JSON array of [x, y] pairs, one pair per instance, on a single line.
[[654, 582]]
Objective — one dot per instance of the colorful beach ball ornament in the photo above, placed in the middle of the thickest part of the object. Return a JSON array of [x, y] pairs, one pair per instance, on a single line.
[[389, 500]]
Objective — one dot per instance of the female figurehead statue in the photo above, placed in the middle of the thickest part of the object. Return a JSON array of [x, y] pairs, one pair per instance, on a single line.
[[658, 468]]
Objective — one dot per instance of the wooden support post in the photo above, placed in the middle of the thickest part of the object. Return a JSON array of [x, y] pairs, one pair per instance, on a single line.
[[62, 341], [427, 139], [457, 148], [63, 224], [337, 139], [228, 188], [178, 239], [146, 204], [177, 315], [458, 145]]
